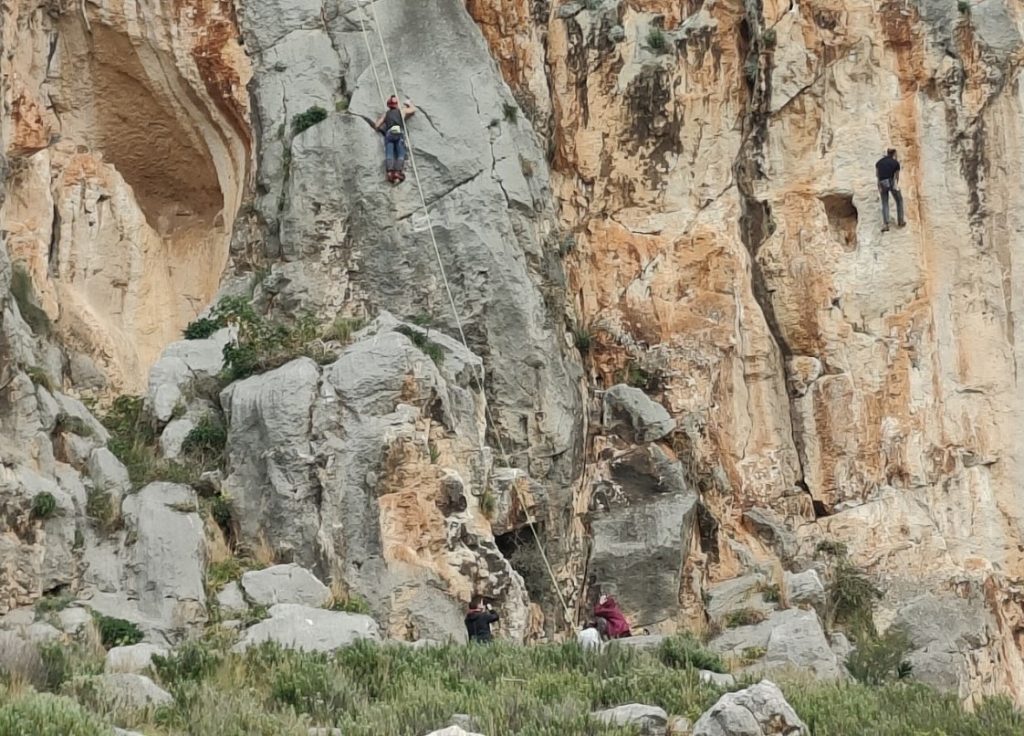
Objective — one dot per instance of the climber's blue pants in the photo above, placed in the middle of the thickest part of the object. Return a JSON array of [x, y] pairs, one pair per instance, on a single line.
[[394, 151]]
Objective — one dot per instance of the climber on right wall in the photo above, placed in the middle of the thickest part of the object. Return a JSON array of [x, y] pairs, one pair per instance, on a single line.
[[887, 169]]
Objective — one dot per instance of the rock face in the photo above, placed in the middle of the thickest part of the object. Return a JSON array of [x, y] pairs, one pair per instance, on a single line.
[[127, 691], [123, 234], [692, 353], [646, 719], [759, 710], [786, 640], [133, 659], [311, 629], [285, 584]]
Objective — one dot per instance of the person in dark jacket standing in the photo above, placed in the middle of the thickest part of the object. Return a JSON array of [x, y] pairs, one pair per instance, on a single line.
[[887, 169], [479, 619]]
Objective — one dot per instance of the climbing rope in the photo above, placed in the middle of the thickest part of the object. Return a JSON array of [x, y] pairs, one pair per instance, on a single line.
[[477, 370]]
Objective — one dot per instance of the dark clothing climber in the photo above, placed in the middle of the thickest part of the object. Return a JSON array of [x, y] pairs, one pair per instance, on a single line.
[[887, 169], [392, 126], [478, 621]]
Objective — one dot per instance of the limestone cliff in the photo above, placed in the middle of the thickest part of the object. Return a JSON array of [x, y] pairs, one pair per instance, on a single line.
[[660, 230]]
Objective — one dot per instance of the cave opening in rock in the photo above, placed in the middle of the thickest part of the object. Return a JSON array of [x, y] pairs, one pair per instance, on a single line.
[[519, 547], [842, 218]]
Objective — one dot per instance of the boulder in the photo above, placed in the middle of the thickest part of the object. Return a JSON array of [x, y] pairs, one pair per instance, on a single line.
[[134, 659], [453, 731], [649, 720], [285, 584], [173, 437], [643, 643], [122, 732], [634, 416], [165, 565], [181, 364], [73, 620], [109, 474], [679, 726], [125, 691], [311, 629], [804, 588], [641, 526], [41, 632], [791, 639], [18, 618], [737, 594], [230, 599], [70, 410], [772, 528], [718, 679], [759, 710]]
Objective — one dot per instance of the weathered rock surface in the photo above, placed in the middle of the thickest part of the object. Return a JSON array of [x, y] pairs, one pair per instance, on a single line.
[[230, 599], [647, 719], [133, 659], [739, 594], [127, 691], [630, 413], [285, 584], [759, 710], [311, 629], [804, 588], [791, 639]]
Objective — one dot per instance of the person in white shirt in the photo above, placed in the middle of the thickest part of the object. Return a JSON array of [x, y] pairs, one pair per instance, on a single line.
[[589, 638]]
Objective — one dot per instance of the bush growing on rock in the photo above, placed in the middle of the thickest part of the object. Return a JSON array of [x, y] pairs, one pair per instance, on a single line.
[[44, 505], [684, 651], [116, 632], [47, 715], [309, 118]]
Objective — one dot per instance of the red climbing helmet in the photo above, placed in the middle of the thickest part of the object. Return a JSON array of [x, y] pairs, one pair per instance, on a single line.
[[392, 102]]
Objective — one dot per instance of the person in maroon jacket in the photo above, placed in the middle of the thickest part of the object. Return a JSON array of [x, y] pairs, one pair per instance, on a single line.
[[616, 626], [479, 619]]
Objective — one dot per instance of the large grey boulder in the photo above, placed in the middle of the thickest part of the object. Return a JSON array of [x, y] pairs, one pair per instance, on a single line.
[[641, 530], [648, 720], [273, 470], [164, 566], [134, 659], [634, 416], [125, 691], [791, 640], [737, 594], [285, 584], [804, 588], [173, 437], [310, 629], [454, 731], [181, 364], [759, 710], [72, 620], [109, 475], [230, 599]]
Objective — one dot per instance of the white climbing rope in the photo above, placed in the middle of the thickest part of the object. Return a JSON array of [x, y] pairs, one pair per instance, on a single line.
[[477, 371], [369, 51]]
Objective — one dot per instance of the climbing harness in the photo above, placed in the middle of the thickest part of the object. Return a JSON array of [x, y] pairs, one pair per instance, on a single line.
[[477, 370]]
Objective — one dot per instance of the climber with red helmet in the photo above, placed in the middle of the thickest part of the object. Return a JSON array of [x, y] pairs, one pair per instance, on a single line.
[[392, 126]]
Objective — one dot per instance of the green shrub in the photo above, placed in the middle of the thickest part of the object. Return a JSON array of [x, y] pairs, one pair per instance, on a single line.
[[752, 654], [851, 598], [510, 112], [310, 685], [657, 41], [435, 453], [305, 120], [73, 425], [221, 511], [201, 328], [430, 348], [206, 442], [48, 715], [54, 603], [341, 105], [879, 659], [769, 38], [102, 511], [192, 661], [582, 339], [682, 651], [488, 503], [25, 297], [352, 604], [44, 505], [134, 441], [116, 632], [219, 574], [964, 6], [343, 328], [743, 617], [770, 592], [39, 377], [63, 661]]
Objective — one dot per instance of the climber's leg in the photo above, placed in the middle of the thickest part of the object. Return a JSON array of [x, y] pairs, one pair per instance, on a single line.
[[390, 155], [898, 196], [400, 158], [883, 188]]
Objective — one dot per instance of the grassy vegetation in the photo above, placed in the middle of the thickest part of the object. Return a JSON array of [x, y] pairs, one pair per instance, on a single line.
[[430, 348], [307, 119], [542, 690], [134, 440], [743, 617], [44, 505], [116, 632], [657, 41], [40, 377]]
